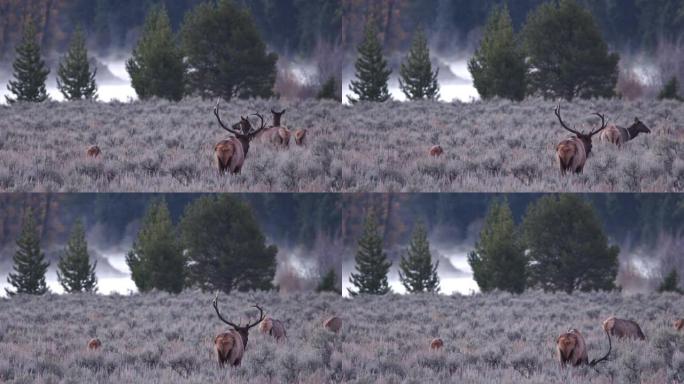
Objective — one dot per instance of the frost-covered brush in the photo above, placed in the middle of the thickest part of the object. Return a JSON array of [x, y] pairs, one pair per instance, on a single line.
[[572, 153], [230, 346], [276, 134], [230, 154], [618, 135], [621, 328]]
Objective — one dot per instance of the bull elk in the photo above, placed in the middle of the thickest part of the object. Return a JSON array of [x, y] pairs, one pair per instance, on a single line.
[[572, 349], [274, 328], [94, 344], [618, 135], [621, 328], [300, 136], [93, 151], [230, 346], [572, 153], [333, 324], [679, 324], [276, 134], [230, 154], [436, 343]]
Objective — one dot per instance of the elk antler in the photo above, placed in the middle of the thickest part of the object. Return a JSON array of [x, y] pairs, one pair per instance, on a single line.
[[557, 112], [215, 304], [263, 125], [603, 124], [261, 317], [604, 358], [216, 113]]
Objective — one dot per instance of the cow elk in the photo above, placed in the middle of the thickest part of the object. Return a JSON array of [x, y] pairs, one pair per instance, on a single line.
[[436, 343], [572, 349], [230, 346], [300, 136], [623, 328], [94, 344], [333, 324], [93, 151], [274, 328], [618, 135], [230, 154], [679, 324], [572, 153], [276, 134], [436, 151]]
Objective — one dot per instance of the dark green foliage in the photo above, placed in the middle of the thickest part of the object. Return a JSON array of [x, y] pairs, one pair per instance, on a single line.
[[157, 68], [372, 73], [74, 78], [225, 247], [329, 283], [416, 271], [156, 259], [329, 90], [29, 261], [567, 248], [567, 53], [416, 78], [671, 283], [671, 90], [75, 273], [225, 53], [498, 66], [372, 265], [498, 261], [29, 69]]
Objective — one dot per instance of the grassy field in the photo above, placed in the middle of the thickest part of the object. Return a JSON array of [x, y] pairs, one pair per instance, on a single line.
[[498, 338], [497, 146]]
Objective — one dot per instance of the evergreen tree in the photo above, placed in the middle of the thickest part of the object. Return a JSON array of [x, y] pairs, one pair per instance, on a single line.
[[157, 68], [498, 261], [74, 271], [329, 90], [372, 73], [29, 68], [328, 283], [671, 283], [225, 53], [29, 261], [567, 53], [670, 91], [372, 265], [498, 66], [156, 259], [225, 247], [416, 271], [416, 78], [74, 78], [566, 246]]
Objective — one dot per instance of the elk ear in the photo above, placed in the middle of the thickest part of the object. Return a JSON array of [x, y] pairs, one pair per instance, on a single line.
[[636, 120]]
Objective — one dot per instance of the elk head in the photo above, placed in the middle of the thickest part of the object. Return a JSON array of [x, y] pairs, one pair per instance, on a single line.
[[637, 128], [243, 130], [585, 138], [242, 330], [277, 116]]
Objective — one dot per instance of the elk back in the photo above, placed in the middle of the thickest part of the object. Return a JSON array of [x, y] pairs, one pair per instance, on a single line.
[[229, 347], [621, 328], [333, 324], [229, 155]]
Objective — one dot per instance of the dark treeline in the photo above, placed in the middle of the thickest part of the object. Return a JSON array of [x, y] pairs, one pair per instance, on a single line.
[[302, 219], [288, 26], [626, 24]]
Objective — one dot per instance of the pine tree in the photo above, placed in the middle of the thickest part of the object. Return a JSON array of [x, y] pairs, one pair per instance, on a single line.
[[29, 68], [498, 261], [416, 271], [74, 78], [157, 68], [328, 283], [498, 66], [416, 78], [156, 259], [329, 90], [75, 273], [29, 261], [670, 91], [671, 283], [372, 265], [372, 73]]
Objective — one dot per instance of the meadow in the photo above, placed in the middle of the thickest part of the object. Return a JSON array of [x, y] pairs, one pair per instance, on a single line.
[[495, 338], [495, 146]]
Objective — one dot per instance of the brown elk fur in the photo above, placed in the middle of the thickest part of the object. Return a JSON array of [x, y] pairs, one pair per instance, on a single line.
[[93, 151], [436, 343], [229, 155], [229, 347], [278, 136], [617, 135], [94, 343], [299, 136], [679, 324], [273, 327], [572, 348], [571, 155], [623, 328], [611, 135], [333, 324], [436, 151]]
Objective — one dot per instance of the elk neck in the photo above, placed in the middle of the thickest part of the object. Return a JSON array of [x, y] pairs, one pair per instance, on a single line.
[[276, 120], [586, 141], [633, 131], [245, 144]]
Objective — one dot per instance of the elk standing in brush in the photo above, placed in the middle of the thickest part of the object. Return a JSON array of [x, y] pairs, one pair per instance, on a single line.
[[333, 324], [572, 153], [230, 154], [572, 349], [230, 346], [273, 327], [277, 134], [623, 328], [436, 343], [679, 324], [300, 136], [93, 151], [94, 344], [618, 135], [436, 151]]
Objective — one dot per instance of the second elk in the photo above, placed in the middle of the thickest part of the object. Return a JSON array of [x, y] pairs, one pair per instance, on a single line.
[[572, 153], [277, 134], [230, 346], [230, 154]]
